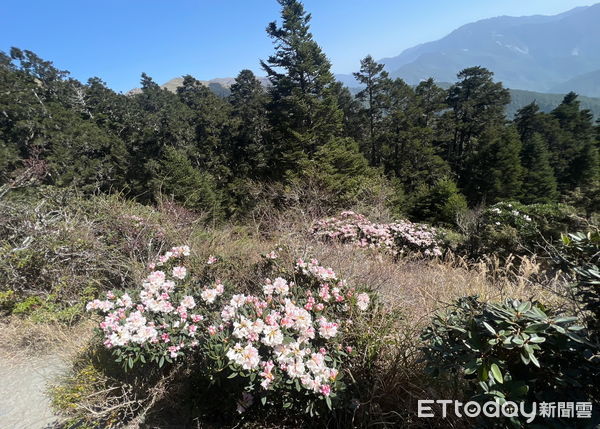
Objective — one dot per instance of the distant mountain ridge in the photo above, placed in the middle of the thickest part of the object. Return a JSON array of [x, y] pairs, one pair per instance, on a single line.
[[537, 53], [538, 57], [519, 98], [219, 85], [550, 54], [587, 83]]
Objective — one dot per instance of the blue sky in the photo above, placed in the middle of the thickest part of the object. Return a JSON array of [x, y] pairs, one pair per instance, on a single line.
[[118, 39]]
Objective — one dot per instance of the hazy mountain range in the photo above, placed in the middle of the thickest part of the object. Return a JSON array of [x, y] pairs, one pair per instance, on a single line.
[[555, 53], [544, 54]]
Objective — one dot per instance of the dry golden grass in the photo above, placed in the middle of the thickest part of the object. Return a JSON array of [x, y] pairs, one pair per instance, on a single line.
[[418, 286], [24, 338]]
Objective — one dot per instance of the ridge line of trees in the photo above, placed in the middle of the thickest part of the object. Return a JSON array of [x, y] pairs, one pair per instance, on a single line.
[[434, 147]]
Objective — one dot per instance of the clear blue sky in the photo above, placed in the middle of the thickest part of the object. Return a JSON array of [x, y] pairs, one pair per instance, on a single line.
[[118, 39]]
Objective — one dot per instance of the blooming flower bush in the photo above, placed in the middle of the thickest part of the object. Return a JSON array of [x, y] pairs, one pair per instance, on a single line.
[[396, 238], [161, 321], [511, 227], [283, 343], [288, 338], [507, 214]]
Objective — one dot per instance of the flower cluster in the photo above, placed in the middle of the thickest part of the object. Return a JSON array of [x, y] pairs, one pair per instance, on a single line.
[[506, 214], [508, 209], [161, 321], [286, 339], [396, 238], [290, 334]]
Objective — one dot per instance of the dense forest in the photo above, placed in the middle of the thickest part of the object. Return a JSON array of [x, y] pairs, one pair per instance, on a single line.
[[432, 147]]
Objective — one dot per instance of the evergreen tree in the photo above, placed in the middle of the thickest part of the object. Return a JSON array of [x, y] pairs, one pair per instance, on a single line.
[[351, 108], [529, 121], [340, 170], [438, 203], [407, 146], [431, 100], [585, 166], [373, 96], [304, 111], [248, 126], [176, 177], [494, 172], [572, 144], [477, 103], [80, 154], [539, 184], [209, 116]]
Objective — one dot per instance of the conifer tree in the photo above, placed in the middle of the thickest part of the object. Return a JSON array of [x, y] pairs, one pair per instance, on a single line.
[[207, 122], [477, 104], [494, 173], [539, 184], [176, 177], [339, 169], [304, 111], [437, 203], [431, 100], [373, 96], [249, 125], [573, 147]]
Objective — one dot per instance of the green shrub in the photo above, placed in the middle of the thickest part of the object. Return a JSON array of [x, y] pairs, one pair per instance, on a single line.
[[27, 305], [510, 227], [338, 176], [179, 178], [7, 300], [580, 256], [439, 203], [59, 250], [511, 351]]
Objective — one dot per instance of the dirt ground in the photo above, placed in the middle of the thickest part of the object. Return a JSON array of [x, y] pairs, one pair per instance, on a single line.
[[31, 357], [23, 402]]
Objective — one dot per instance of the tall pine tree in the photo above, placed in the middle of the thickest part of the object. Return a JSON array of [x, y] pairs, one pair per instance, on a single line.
[[375, 81], [477, 103], [304, 111], [494, 171], [539, 184], [248, 126]]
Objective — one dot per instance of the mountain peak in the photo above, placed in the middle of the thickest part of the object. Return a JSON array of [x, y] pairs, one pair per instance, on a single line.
[[537, 52]]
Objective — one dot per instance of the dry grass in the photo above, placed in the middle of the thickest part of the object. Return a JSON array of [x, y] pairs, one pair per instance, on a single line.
[[24, 338], [418, 286]]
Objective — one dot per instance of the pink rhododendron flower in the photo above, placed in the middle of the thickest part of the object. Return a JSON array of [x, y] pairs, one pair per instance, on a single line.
[[179, 272], [362, 301], [271, 255]]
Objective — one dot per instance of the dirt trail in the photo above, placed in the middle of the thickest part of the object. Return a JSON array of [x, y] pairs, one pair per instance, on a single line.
[[23, 381]]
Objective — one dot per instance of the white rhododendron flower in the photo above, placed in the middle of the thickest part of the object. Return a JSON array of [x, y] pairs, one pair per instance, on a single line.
[[188, 302], [280, 286], [179, 272], [396, 238], [362, 301]]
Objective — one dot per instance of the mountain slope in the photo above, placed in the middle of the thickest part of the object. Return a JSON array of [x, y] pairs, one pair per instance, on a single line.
[[547, 102], [535, 52], [220, 86], [588, 83]]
